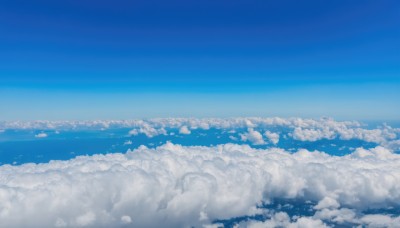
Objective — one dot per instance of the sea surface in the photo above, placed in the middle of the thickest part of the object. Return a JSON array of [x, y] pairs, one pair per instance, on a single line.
[[21, 146]]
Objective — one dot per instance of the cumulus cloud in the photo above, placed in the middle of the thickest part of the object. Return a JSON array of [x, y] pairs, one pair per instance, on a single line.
[[41, 135], [331, 129], [327, 202], [192, 186], [177, 186], [299, 128], [252, 136], [272, 137], [338, 216], [282, 219], [126, 219], [378, 220], [312, 134], [192, 123], [324, 218], [231, 137], [184, 130], [148, 130]]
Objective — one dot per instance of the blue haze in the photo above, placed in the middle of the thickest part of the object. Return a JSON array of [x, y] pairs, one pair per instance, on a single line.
[[135, 59]]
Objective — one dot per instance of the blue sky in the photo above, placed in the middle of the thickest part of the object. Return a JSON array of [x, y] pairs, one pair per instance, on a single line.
[[138, 59]]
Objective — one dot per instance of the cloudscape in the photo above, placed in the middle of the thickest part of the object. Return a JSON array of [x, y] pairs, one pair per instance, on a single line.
[[200, 113]]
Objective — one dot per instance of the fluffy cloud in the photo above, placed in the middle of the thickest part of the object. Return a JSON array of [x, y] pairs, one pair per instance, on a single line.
[[272, 137], [176, 186], [377, 220], [327, 202], [300, 129], [282, 219], [148, 130], [184, 130], [252, 136], [331, 129], [323, 219], [304, 134], [192, 123]]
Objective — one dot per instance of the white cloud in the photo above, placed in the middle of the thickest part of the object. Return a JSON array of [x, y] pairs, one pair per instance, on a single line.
[[233, 138], [148, 130], [176, 186], [193, 123], [327, 202], [335, 217], [340, 216], [349, 216], [183, 186], [312, 134], [272, 137], [301, 129], [392, 145], [184, 130], [86, 219], [377, 220], [329, 129], [281, 219], [252, 136], [41, 135], [126, 219]]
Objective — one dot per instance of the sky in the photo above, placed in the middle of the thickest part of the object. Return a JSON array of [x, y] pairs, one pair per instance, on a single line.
[[142, 59]]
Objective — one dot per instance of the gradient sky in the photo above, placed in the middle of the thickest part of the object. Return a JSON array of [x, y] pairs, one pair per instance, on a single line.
[[141, 59]]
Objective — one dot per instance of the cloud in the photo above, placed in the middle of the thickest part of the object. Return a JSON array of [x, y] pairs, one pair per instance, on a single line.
[[312, 134], [378, 220], [231, 137], [324, 218], [192, 123], [148, 130], [184, 130], [282, 219], [272, 137], [126, 219], [327, 202], [299, 128], [252, 136], [41, 135], [338, 216], [177, 186], [330, 129]]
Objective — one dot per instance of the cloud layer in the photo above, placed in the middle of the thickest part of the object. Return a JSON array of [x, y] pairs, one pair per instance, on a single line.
[[180, 186], [259, 130]]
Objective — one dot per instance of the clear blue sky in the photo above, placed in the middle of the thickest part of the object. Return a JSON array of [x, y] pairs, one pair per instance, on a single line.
[[140, 59]]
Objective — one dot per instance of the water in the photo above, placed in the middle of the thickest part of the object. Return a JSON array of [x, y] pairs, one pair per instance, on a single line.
[[21, 146]]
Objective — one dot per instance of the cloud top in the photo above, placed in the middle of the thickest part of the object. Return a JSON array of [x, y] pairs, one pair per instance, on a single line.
[[180, 186], [299, 129]]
